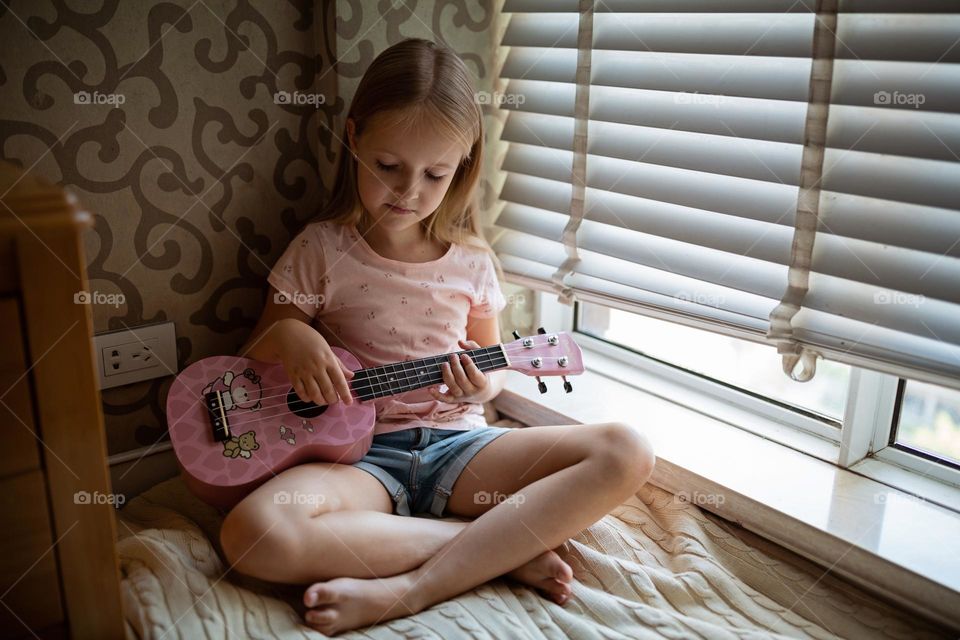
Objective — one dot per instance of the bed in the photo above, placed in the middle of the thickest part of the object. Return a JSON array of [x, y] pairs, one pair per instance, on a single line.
[[655, 567]]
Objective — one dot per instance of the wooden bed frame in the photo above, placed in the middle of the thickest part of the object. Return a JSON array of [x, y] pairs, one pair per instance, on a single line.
[[59, 573]]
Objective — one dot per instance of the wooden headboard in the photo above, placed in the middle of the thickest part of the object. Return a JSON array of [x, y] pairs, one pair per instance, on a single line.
[[58, 569]]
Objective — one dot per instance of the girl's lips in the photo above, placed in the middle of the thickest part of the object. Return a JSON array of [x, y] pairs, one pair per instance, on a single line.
[[399, 210]]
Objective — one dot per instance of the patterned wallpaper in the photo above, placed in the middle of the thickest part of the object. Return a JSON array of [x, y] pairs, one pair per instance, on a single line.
[[200, 133]]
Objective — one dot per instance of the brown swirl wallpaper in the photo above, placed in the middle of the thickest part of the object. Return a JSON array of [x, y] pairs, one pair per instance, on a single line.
[[201, 134]]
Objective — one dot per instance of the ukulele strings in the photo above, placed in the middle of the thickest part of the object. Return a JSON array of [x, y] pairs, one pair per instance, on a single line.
[[262, 415], [482, 360]]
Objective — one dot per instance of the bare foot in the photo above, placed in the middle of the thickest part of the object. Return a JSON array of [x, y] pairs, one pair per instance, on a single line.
[[343, 604], [548, 573]]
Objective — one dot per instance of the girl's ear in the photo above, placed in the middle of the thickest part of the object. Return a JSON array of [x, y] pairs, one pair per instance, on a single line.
[[351, 131]]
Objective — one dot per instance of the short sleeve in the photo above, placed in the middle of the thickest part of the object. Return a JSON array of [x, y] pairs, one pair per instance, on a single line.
[[298, 275], [489, 300]]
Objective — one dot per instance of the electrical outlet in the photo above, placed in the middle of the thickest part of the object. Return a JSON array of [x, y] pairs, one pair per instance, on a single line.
[[136, 354], [124, 358]]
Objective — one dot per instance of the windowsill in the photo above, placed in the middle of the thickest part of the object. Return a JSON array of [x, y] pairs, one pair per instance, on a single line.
[[879, 537]]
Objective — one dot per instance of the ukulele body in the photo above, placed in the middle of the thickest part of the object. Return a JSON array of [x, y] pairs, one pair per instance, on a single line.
[[269, 428]]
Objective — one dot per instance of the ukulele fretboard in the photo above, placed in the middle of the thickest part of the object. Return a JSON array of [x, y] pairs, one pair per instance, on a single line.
[[391, 379]]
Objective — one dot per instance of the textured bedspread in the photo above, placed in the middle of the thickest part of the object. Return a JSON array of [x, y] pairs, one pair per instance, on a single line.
[[653, 568]]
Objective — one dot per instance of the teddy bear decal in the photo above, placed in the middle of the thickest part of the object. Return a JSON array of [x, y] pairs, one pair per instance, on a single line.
[[241, 445], [239, 391]]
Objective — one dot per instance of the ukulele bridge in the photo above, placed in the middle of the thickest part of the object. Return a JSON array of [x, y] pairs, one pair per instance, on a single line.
[[218, 417]]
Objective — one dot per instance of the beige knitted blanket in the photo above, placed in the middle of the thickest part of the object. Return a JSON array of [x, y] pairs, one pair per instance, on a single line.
[[655, 567]]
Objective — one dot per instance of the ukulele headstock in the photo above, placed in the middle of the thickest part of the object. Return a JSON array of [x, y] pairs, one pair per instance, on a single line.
[[545, 354]]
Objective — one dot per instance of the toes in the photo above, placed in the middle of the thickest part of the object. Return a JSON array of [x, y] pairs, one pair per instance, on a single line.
[[320, 616], [317, 594], [563, 572], [555, 590]]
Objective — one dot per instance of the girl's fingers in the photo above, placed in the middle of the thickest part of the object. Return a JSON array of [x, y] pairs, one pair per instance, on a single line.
[[312, 391], [340, 383], [453, 388], [464, 384], [476, 376], [326, 388]]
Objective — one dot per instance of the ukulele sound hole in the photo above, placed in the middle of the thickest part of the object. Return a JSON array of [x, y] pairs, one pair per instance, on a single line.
[[301, 408]]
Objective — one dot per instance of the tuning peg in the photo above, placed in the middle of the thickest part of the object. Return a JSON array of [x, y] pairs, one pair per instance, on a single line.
[[566, 384], [516, 335], [541, 330], [541, 385]]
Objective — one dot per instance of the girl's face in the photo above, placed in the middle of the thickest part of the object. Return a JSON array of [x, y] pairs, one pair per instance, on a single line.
[[410, 171]]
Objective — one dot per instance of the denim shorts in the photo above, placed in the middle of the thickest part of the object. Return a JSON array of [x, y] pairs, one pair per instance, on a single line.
[[418, 466]]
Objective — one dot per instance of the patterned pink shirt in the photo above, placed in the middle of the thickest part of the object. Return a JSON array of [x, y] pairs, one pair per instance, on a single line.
[[385, 311]]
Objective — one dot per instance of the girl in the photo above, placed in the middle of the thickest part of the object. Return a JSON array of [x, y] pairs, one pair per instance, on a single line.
[[396, 268]]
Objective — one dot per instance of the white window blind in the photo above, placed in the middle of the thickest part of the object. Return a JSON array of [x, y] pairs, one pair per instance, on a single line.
[[785, 172]]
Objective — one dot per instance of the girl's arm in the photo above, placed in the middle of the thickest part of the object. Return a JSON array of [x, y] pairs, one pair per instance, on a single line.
[[264, 342], [284, 335]]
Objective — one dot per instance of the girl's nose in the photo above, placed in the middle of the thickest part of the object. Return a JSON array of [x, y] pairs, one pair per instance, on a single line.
[[407, 189]]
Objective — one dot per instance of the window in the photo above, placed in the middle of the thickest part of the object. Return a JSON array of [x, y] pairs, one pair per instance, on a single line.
[[747, 366], [928, 423]]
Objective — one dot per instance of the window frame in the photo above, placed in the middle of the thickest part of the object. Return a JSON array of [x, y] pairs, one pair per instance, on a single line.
[[885, 448]]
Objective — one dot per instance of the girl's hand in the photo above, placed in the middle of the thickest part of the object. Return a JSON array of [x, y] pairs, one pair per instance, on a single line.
[[314, 370], [465, 382]]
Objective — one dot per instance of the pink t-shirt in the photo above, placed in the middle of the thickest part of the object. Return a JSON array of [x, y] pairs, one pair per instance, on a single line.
[[385, 311]]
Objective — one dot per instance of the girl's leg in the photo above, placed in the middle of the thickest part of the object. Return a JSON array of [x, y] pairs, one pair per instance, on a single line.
[[579, 473], [268, 534], [303, 538]]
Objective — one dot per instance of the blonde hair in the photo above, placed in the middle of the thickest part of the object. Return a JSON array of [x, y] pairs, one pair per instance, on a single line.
[[409, 83]]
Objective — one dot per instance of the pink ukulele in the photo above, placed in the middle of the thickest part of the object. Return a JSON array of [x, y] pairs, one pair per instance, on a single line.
[[236, 422]]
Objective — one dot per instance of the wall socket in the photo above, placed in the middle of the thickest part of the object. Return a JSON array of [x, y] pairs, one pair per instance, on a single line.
[[136, 354]]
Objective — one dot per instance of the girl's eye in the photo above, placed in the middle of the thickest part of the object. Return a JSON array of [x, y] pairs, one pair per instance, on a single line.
[[392, 167]]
